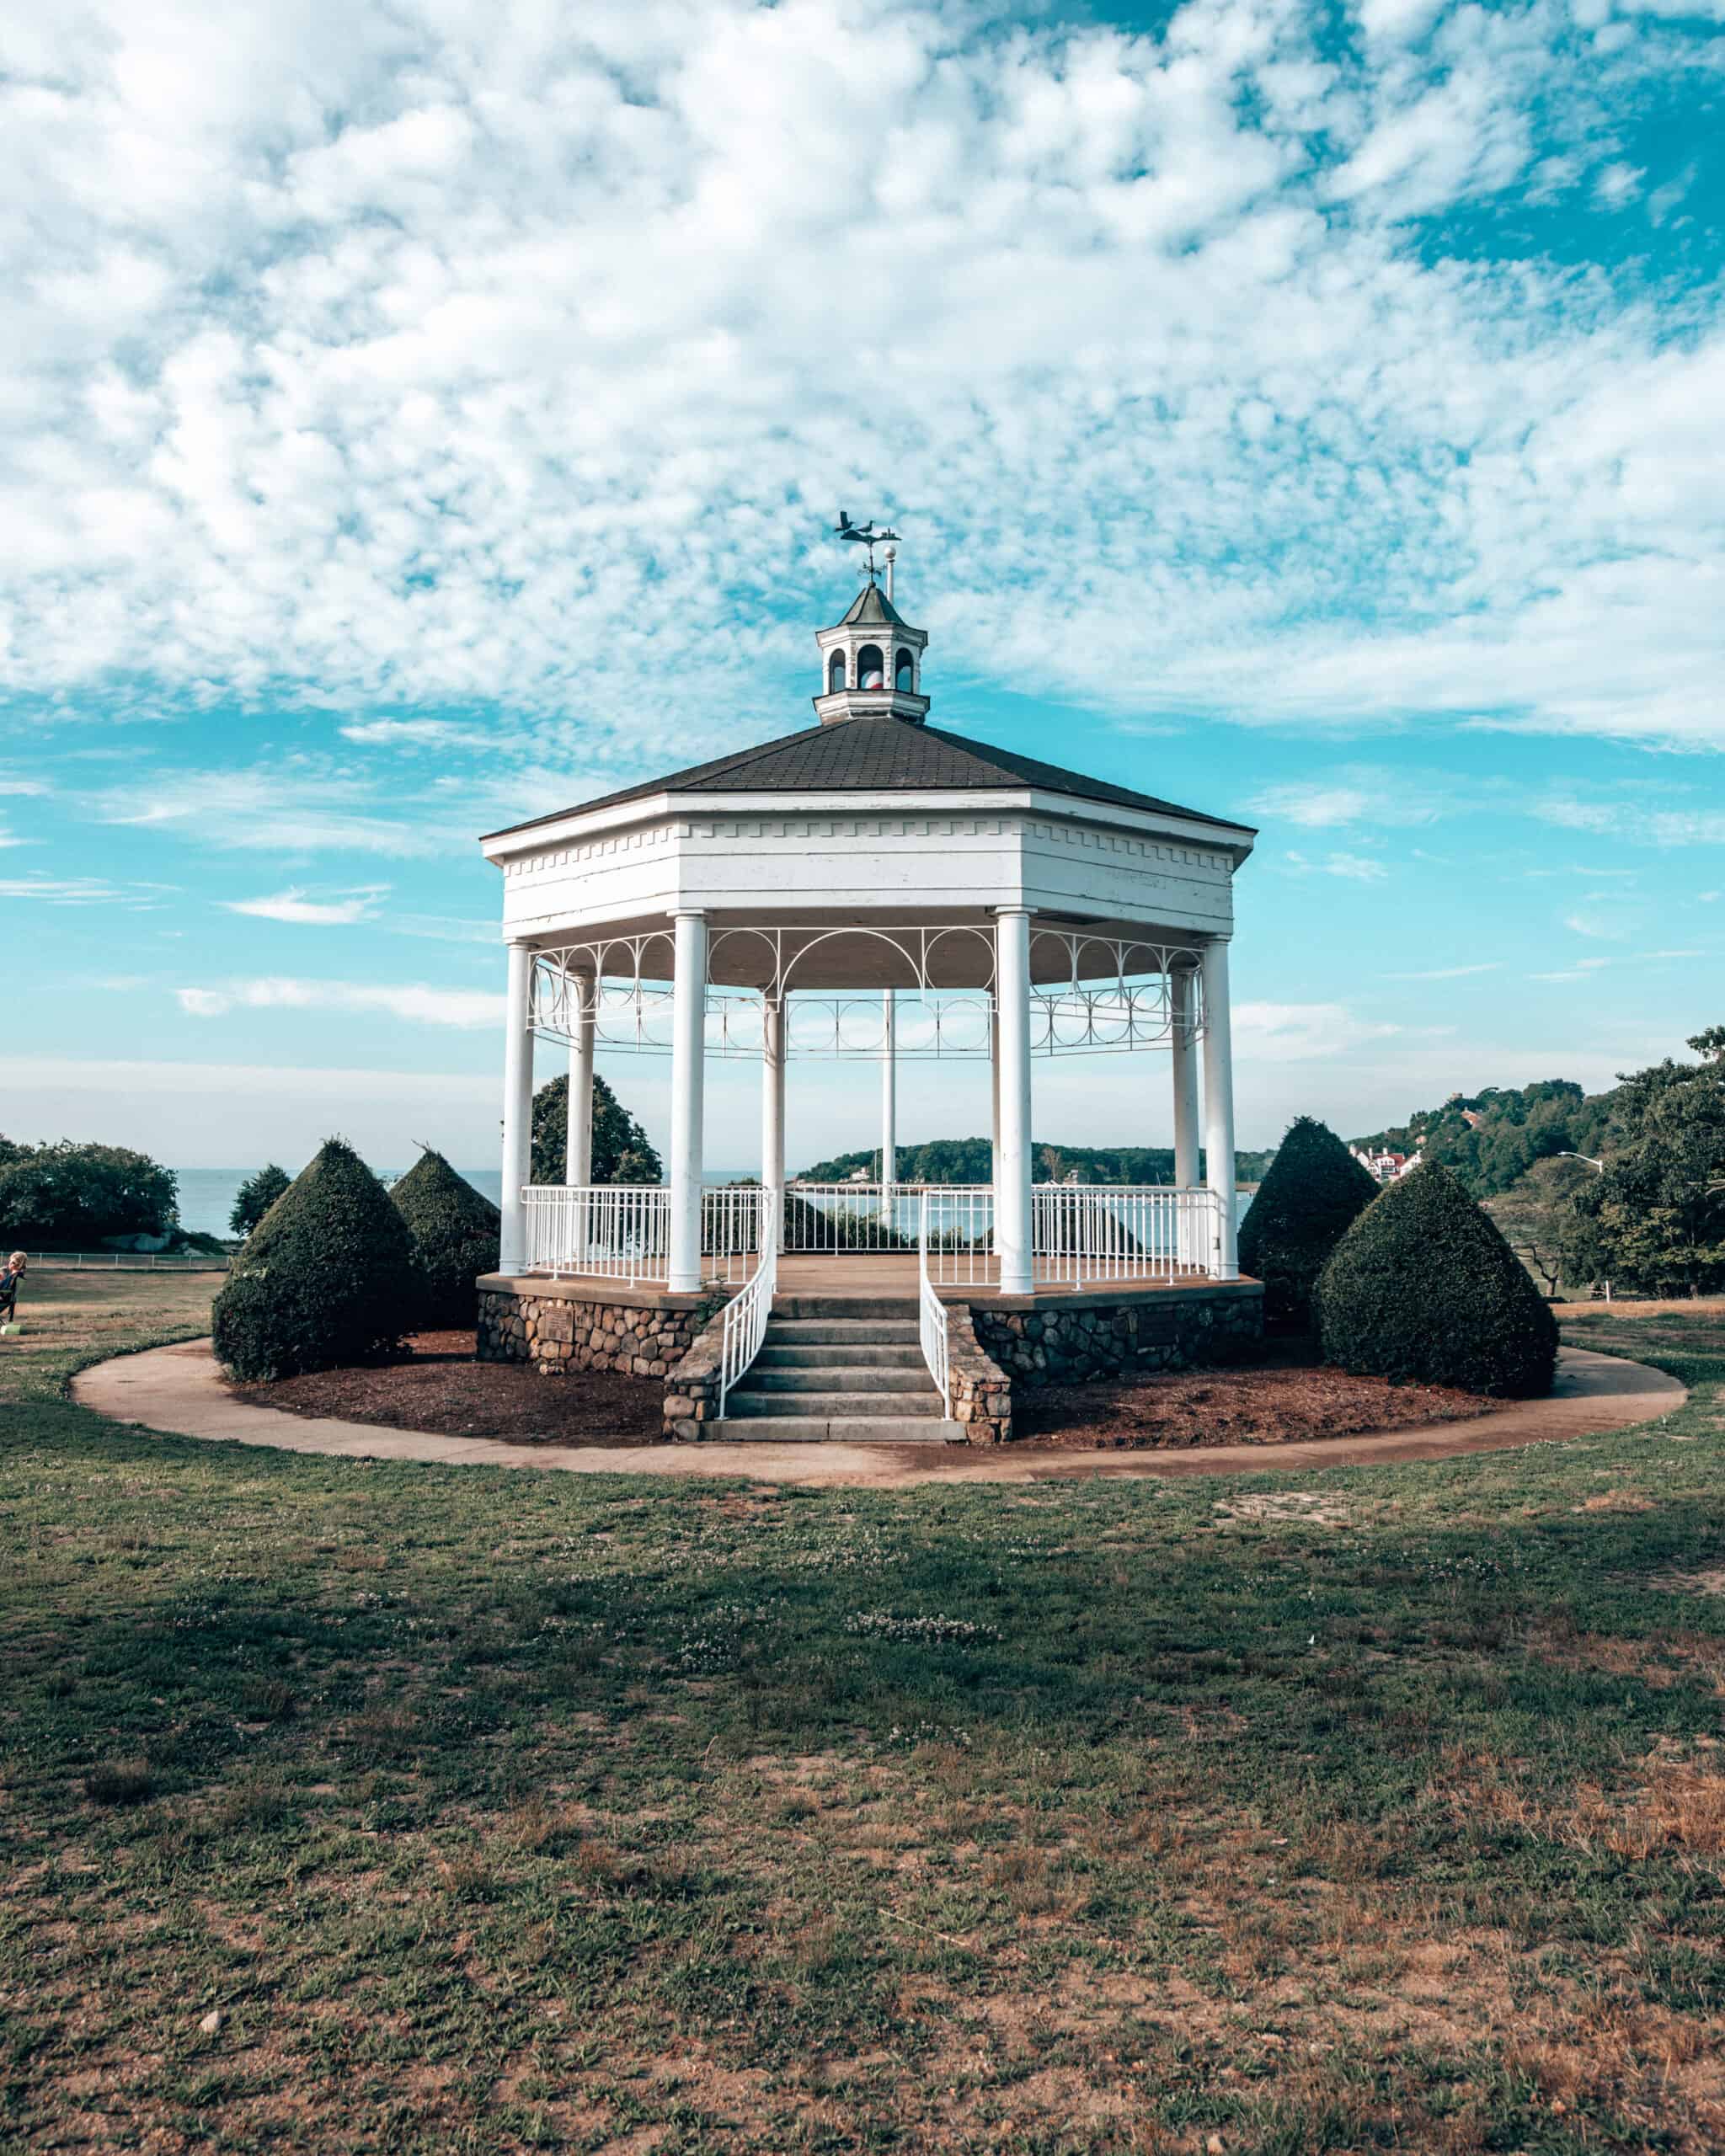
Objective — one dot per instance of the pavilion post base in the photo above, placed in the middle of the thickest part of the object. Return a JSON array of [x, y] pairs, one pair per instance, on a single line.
[[590, 1325], [1048, 1339]]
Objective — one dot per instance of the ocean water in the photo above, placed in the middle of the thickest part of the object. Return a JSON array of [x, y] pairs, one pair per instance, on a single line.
[[206, 1195]]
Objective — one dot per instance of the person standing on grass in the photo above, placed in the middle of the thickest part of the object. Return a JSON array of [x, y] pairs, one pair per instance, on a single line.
[[10, 1274]]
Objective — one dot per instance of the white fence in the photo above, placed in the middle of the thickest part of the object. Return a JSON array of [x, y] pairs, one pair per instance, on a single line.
[[126, 1261], [1081, 1234], [622, 1231]]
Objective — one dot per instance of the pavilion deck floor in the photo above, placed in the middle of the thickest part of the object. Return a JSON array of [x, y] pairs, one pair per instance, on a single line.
[[875, 1274]]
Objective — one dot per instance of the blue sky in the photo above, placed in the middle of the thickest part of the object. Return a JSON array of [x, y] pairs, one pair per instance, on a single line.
[[414, 419]]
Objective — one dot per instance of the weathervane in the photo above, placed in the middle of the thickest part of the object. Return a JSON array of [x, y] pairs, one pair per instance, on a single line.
[[865, 534]]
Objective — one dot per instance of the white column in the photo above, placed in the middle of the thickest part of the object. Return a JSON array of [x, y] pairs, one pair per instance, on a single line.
[[517, 1109], [688, 1047], [889, 1098], [1219, 1103], [994, 1107], [1183, 1000], [577, 1151], [1012, 1197], [772, 1111]]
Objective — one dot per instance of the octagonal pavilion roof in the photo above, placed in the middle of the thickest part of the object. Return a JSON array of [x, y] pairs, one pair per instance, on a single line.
[[879, 755]]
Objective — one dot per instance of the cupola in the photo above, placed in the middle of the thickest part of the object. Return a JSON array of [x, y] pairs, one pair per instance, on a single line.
[[871, 662]]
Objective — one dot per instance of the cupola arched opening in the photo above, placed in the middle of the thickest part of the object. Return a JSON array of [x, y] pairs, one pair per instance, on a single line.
[[904, 671], [870, 667], [836, 673]]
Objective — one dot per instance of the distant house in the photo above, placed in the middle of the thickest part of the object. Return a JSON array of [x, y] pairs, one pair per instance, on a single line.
[[1387, 1167]]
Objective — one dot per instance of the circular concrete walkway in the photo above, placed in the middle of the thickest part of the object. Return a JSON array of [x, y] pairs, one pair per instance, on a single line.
[[180, 1390]]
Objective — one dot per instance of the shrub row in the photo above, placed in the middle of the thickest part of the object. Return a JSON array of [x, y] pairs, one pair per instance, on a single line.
[[1413, 1282], [339, 1269]]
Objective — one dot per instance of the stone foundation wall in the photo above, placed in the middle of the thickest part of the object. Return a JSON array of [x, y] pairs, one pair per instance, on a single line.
[[1167, 1329], [979, 1391], [641, 1334], [691, 1386]]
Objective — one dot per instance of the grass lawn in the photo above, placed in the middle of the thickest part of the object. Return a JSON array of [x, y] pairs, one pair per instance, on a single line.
[[1380, 1808]]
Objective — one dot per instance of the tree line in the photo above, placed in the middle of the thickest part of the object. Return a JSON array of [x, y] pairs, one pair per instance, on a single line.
[[970, 1160]]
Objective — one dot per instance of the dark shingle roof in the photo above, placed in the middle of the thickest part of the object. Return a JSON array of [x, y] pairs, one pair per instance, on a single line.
[[872, 605], [877, 756]]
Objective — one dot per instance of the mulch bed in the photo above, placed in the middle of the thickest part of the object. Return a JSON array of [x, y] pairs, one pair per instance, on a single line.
[[437, 1386], [1285, 1398]]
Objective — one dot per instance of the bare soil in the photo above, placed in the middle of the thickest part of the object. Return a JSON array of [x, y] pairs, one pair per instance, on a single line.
[[1284, 1399], [438, 1385]]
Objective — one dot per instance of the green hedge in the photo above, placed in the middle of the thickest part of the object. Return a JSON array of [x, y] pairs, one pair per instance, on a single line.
[[327, 1277], [455, 1229], [1424, 1287], [1312, 1193]]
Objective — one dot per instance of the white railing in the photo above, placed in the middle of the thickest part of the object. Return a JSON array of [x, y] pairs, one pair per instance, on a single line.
[[745, 1317], [961, 1236], [829, 1217], [1081, 1234], [622, 1231], [931, 1315], [616, 1231], [731, 1218]]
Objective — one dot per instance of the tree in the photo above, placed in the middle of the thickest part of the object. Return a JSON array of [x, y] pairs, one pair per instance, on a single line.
[[622, 1152], [255, 1196], [1491, 1138], [455, 1231], [1536, 1216], [1311, 1194], [1423, 1288], [1654, 1220], [327, 1276], [69, 1197]]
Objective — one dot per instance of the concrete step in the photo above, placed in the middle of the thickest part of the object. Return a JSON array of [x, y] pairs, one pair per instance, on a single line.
[[845, 1430], [833, 1407], [854, 1354], [824, 1332], [844, 1376], [789, 1305]]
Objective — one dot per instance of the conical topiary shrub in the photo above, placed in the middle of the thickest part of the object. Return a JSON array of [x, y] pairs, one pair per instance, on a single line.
[[1311, 1194], [455, 1229], [1424, 1287], [327, 1276]]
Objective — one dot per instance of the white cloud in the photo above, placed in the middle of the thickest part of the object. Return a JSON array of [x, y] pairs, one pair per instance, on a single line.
[[1634, 820], [1296, 1032], [1618, 184], [491, 365], [416, 1002], [84, 891], [1451, 973], [1354, 868], [411, 734], [1610, 927], [229, 1114], [294, 811], [293, 905]]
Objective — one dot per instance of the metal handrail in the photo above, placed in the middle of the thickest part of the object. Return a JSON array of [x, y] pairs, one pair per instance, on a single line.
[[931, 1316], [745, 1317]]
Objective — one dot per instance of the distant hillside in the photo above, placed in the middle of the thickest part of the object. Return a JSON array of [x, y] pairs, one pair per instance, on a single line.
[[966, 1160], [1490, 1139]]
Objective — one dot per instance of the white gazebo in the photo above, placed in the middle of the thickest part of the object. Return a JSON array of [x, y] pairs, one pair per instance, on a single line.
[[871, 888]]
